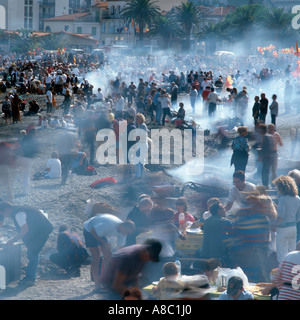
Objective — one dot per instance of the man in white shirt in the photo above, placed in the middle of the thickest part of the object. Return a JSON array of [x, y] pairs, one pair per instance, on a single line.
[[120, 103], [49, 100], [240, 190], [165, 102], [96, 230], [48, 80], [212, 102], [193, 97], [99, 95]]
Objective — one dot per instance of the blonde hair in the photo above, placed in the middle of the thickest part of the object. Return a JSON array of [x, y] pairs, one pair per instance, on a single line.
[[111, 117], [286, 186], [140, 116]]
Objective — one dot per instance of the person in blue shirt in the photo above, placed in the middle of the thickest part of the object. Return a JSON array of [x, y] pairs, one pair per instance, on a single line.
[[236, 291]]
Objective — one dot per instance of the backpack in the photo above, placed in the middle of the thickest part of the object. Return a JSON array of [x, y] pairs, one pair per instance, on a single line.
[[90, 171]]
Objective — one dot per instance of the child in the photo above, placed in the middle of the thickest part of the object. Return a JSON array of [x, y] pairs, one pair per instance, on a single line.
[[235, 290], [44, 123], [168, 285], [182, 207]]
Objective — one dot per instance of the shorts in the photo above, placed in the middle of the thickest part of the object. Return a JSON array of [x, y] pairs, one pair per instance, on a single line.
[[91, 241]]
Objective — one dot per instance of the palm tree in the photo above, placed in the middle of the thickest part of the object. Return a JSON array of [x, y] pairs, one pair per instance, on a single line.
[[188, 16], [165, 27], [243, 22], [245, 17], [212, 33], [278, 22], [143, 12]]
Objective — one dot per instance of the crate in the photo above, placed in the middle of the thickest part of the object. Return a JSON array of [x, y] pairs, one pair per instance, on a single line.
[[10, 259]]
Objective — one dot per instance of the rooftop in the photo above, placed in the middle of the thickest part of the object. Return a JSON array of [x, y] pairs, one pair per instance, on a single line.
[[69, 17]]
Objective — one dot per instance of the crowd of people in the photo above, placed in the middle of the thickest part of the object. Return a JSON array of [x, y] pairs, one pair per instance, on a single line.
[[155, 91]]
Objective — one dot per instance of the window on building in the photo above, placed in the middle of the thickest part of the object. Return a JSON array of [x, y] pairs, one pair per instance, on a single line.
[[103, 27], [111, 27], [94, 31], [28, 14], [79, 29], [66, 28]]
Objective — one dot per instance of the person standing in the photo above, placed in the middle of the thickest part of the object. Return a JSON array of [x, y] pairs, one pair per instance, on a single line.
[[15, 108], [66, 144], [132, 92], [256, 110], [284, 276], [251, 238], [277, 142], [288, 213], [240, 149], [157, 106], [205, 94], [174, 94], [33, 228], [89, 132], [143, 151], [216, 235], [49, 96], [29, 148], [242, 104], [120, 103], [6, 109], [288, 97], [193, 98], [212, 102], [165, 102], [67, 100], [274, 109], [267, 153], [264, 103]]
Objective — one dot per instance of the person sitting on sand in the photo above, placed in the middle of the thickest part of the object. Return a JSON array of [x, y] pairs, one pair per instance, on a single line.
[[53, 170], [79, 162]]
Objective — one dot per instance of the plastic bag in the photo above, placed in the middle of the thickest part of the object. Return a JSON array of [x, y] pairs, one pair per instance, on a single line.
[[89, 207], [228, 273]]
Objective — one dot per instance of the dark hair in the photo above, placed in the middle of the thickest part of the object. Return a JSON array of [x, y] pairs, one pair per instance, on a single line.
[[170, 269], [63, 228], [214, 208], [133, 292], [239, 174], [234, 285], [118, 114], [182, 201], [130, 116], [153, 246]]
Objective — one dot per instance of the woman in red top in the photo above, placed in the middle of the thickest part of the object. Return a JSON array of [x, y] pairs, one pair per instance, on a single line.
[[182, 207]]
